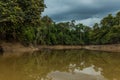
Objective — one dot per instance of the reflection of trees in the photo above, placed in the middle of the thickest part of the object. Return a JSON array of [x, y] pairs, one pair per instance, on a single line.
[[39, 64]]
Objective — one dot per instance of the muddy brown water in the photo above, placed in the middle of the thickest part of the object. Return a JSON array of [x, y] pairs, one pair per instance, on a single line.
[[60, 65]]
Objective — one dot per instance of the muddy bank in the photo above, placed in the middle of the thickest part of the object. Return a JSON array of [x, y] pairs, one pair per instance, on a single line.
[[17, 47], [59, 47], [109, 48]]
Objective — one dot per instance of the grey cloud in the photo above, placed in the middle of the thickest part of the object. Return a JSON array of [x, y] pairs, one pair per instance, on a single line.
[[64, 10]]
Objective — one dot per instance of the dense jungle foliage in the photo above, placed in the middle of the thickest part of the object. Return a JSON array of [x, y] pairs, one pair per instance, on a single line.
[[21, 21]]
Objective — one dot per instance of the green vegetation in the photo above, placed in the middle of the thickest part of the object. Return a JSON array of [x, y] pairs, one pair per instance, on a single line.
[[21, 21]]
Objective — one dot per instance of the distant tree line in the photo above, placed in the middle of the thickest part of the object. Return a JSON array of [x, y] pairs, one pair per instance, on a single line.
[[21, 21]]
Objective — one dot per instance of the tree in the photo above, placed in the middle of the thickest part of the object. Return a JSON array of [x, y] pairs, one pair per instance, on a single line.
[[117, 19], [16, 14], [108, 21]]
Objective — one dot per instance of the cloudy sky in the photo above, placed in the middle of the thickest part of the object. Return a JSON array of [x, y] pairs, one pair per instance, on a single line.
[[87, 12]]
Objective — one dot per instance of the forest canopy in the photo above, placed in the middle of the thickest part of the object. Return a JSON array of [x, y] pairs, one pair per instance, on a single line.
[[21, 21]]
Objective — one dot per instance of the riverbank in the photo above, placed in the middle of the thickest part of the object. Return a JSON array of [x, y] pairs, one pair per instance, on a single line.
[[109, 48], [17, 47]]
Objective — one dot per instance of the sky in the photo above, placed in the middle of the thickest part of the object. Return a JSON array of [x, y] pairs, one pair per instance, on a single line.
[[87, 12]]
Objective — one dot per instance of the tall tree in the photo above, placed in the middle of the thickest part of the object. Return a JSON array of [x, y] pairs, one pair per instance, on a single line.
[[117, 18], [15, 14], [108, 21]]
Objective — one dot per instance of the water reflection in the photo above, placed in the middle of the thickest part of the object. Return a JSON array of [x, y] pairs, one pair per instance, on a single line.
[[88, 73], [60, 65]]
